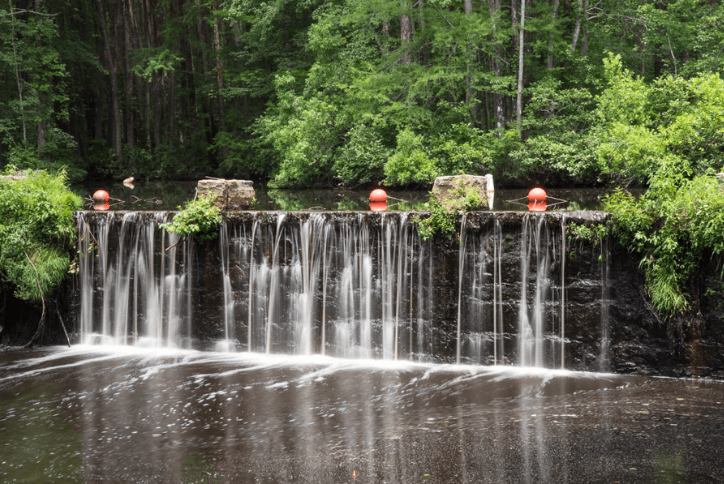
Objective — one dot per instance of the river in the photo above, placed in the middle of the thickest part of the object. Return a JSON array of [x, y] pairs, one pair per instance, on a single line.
[[129, 414]]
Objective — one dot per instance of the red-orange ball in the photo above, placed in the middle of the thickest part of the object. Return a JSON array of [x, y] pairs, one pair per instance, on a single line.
[[537, 195], [102, 206], [101, 196], [378, 206], [378, 195]]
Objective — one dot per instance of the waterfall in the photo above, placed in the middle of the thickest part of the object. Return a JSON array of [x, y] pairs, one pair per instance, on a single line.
[[461, 272], [563, 291], [132, 290], [603, 363], [346, 284], [228, 307], [525, 332], [498, 349]]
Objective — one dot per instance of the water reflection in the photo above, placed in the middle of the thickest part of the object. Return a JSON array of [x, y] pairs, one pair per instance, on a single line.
[[129, 415]]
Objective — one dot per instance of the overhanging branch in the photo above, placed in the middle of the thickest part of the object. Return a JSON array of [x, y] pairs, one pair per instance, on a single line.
[[20, 12]]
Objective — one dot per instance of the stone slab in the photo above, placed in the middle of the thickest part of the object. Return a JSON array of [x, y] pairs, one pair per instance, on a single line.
[[445, 187], [229, 194]]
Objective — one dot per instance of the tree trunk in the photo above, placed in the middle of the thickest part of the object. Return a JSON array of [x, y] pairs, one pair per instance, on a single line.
[[584, 29], [17, 76], [116, 119], [206, 109], [469, 89], [42, 125], [498, 110], [130, 134], [519, 102], [41, 323], [405, 29], [158, 109], [99, 116], [43, 97], [556, 4], [577, 28], [219, 72], [514, 24], [421, 9]]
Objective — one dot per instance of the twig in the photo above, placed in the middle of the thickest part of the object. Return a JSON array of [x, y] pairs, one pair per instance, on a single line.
[[62, 323], [443, 17], [93, 237], [181, 239], [41, 324], [146, 200], [649, 306], [19, 12]]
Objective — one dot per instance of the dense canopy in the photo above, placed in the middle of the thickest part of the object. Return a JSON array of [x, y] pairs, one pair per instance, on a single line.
[[328, 92]]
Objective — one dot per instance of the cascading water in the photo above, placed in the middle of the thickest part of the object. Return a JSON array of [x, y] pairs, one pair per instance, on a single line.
[[353, 285], [143, 294], [605, 304]]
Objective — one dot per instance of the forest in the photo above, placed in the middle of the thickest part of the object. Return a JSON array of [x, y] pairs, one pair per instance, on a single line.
[[356, 92]]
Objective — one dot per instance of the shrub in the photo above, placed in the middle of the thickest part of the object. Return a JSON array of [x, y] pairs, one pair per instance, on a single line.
[[37, 237], [671, 227], [199, 219], [444, 216]]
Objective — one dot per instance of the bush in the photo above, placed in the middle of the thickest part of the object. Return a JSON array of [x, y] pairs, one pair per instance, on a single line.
[[411, 162], [671, 227], [444, 216], [37, 215], [199, 219]]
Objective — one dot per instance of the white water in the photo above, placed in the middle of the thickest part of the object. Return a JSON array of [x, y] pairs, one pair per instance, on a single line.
[[130, 291], [354, 286]]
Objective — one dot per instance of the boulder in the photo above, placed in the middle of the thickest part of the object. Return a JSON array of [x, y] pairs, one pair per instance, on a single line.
[[229, 194], [240, 194], [216, 188], [447, 188]]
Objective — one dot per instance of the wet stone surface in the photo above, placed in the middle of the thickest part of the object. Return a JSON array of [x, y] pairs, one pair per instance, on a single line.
[[132, 415]]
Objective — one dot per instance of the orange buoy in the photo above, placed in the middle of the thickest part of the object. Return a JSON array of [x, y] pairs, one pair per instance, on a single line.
[[537, 195], [102, 206], [101, 196], [537, 206], [378, 206], [378, 195]]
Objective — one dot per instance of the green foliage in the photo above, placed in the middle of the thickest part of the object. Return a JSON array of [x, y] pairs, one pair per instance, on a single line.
[[37, 223], [443, 216], [310, 92], [592, 233], [198, 219], [411, 162], [672, 227], [363, 156], [670, 122], [157, 62]]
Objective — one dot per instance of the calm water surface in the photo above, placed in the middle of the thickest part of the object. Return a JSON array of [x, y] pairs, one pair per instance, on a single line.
[[98, 414], [168, 195]]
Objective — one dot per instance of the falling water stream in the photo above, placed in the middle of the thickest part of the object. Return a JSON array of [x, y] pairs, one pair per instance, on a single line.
[[353, 285]]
